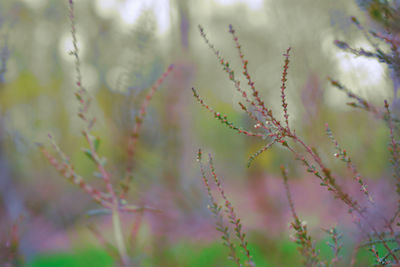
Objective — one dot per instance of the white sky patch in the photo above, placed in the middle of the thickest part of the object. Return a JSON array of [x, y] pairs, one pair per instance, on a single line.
[[162, 13], [366, 71], [253, 4], [130, 10]]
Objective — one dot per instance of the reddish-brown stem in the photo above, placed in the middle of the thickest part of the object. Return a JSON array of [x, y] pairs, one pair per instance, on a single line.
[[302, 238], [288, 194], [362, 103], [231, 213], [337, 191], [246, 73], [342, 154], [67, 171], [136, 129], [224, 118], [283, 87], [226, 66], [102, 170], [346, 199], [255, 118], [216, 210], [394, 147], [281, 134]]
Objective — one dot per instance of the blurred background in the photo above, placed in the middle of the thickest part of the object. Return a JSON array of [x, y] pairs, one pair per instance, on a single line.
[[125, 45]]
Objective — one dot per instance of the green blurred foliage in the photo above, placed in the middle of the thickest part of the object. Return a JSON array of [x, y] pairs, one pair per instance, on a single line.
[[81, 258]]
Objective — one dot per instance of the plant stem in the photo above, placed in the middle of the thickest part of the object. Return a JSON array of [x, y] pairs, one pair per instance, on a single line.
[[116, 219]]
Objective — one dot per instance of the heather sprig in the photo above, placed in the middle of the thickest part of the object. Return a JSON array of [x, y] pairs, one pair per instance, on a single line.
[[4, 55], [367, 34], [388, 34], [395, 160], [136, 129], [301, 237], [374, 242], [364, 104], [262, 116], [229, 211], [223, 118], [110, 200], [361, 102], [75, 51], [377, 257], [259, 108], [279, 134], [276, 132], [330, 182], [342, 154], [379, 54], [250, 82], [216, 210], [391, 40], [393, 148], [336, 245], [255, 155], [283, 87], [66, 169], [85, 101], [382, 260]]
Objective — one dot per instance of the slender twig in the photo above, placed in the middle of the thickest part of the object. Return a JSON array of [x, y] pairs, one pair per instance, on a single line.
[[283, 87], [230, 212], [343, 155], [223, 118], [216, 210], [307, 246], [135, 132]]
